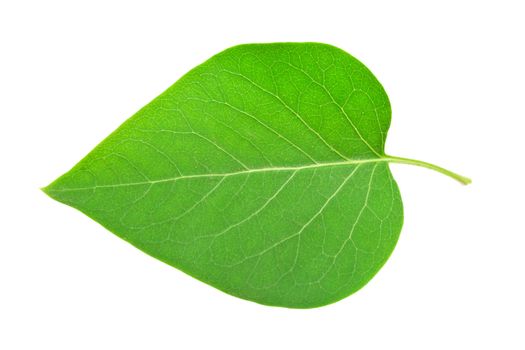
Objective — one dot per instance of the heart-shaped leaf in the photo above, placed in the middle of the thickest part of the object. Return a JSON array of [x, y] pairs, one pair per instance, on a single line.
[[261, 172]]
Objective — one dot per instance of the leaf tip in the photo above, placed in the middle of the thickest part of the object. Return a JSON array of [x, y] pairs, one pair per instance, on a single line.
[[49, 190], [45, 189]]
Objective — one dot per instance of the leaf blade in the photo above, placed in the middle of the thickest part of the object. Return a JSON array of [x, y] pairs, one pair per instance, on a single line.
[[198, 176]]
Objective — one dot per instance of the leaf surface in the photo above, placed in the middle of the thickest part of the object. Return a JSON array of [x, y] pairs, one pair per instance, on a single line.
[[261, 172]]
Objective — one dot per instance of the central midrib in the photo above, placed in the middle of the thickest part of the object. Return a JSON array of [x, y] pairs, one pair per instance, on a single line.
[[242, 172]]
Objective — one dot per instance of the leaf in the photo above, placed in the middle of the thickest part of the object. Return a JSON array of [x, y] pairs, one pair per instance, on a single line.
[[261, 172]]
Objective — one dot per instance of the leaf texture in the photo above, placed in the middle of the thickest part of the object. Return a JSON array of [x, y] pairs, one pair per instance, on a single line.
[[261, 172]]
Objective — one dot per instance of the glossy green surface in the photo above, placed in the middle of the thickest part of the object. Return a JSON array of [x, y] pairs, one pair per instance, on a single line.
[[260, 172]]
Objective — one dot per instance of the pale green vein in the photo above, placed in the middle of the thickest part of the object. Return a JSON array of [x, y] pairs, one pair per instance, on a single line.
[[390, 159]]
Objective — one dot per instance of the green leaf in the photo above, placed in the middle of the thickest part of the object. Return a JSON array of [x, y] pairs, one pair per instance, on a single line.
[[261, 172]]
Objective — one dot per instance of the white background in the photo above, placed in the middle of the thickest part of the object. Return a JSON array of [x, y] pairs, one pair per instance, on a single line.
[[71, 72]]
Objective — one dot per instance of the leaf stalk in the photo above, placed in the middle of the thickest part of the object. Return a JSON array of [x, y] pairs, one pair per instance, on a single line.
[[462, 179]]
